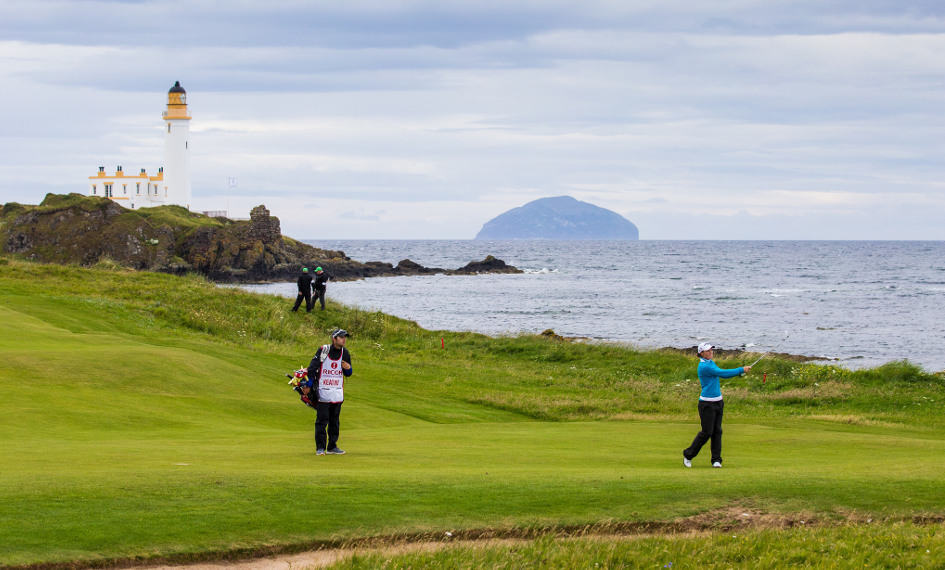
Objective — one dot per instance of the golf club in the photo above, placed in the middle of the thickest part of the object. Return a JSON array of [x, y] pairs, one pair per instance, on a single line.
[[767, 352]]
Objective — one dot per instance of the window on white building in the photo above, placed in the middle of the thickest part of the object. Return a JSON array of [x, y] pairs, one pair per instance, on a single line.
[[124, 189], [138, 189], [108, 190], [93, 190]]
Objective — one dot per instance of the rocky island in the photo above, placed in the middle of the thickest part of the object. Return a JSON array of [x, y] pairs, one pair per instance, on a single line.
[[560, 217], [87, 230]]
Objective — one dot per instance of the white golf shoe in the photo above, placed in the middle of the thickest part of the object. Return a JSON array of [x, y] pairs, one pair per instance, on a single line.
[[686, 462], [717, 464]]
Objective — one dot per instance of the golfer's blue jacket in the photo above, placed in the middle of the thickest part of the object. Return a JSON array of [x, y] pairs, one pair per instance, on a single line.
[[709, 374]]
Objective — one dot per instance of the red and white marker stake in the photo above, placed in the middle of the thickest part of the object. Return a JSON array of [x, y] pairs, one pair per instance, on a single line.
[[764, 378]]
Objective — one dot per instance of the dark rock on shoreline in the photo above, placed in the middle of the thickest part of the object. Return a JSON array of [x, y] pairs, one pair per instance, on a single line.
[[488, 265], [87, 230], [407, 267], [691, 351], [731, 352]]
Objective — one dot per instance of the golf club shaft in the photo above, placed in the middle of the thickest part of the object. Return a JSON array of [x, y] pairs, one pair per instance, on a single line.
[[759, 359], [767, 352]]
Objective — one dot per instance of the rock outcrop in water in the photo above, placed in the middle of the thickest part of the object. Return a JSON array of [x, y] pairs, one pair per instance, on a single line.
[[86, 230], [561, 217]]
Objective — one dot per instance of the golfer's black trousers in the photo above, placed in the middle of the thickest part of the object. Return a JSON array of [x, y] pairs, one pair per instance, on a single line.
[[308, 301], [327, 415], [319, 294], [710, 415]]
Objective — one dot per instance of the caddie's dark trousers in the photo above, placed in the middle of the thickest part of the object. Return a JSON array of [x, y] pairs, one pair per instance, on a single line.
[[710, 415], [327, 415], [308, 301], [320, 295]]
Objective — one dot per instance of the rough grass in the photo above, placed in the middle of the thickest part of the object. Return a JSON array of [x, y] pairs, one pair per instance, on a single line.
[[177, 217], [146, 415], [899, 545]]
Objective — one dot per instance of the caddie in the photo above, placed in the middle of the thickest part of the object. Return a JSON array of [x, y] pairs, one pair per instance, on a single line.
[[328, 370]]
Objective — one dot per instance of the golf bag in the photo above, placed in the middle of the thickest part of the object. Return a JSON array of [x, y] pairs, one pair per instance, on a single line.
[[306, 387], [301, 384]]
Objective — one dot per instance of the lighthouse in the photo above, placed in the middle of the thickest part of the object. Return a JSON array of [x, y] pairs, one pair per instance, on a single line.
[[171, 183], [177, 148]]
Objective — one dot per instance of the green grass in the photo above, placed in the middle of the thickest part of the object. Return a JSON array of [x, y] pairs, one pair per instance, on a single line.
[[144, 414]]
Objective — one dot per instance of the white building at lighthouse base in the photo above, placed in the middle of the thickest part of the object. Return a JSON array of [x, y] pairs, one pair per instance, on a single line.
[[131, 191]]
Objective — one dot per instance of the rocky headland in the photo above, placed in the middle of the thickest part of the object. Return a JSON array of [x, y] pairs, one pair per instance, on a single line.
[[88, 230]]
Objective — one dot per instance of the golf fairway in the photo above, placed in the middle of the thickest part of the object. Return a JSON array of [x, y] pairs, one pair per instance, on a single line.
[[124, 436]]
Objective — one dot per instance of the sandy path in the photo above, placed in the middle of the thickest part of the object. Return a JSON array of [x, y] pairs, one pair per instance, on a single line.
[[324, 558]]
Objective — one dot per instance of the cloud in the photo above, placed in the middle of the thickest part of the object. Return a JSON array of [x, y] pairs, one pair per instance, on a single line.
[[444, 114]]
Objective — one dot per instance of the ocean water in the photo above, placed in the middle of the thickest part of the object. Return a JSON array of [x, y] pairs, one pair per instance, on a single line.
[[862, 303]]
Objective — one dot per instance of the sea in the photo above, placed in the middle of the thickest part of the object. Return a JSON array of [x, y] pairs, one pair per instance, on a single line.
[[855, 303]]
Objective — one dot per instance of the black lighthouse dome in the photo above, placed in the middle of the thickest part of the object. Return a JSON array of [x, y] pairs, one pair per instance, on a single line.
[[176, 88]]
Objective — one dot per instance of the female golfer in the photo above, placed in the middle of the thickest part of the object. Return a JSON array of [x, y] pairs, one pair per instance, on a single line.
[[710, 405]]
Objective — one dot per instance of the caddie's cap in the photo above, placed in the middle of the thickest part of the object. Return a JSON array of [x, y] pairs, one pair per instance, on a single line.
[[339, 332], [305, 270], [318, 269], [704, 347]]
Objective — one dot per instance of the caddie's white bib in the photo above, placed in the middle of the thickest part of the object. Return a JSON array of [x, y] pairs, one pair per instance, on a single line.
[[331, 382]]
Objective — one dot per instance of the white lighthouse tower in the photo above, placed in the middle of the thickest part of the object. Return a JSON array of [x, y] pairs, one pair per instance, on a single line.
[[177, 148]]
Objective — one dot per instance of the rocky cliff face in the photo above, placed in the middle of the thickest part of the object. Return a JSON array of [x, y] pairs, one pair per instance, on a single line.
[[87, 230], [68, 229]]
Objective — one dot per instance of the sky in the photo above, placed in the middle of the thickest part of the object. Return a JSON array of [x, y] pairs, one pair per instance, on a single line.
[[410, 119]]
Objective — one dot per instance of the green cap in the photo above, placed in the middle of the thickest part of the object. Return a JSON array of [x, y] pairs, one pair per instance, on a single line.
[[318, 269], [305, 270]]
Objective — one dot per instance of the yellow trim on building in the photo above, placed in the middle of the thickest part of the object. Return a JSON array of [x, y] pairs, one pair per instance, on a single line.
[[101, 175]]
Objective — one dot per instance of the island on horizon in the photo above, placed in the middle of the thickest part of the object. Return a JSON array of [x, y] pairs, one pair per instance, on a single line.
[[559, 217]]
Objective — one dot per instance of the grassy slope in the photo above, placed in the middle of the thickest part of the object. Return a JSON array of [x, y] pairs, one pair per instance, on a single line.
[[145, 414]]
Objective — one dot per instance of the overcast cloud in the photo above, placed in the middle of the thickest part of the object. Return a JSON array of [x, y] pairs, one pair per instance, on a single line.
[[424, 119]]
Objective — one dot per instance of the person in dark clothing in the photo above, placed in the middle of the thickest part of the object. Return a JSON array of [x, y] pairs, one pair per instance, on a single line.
[[318, 287], [710, 405], [327, 371], [305, 291]]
